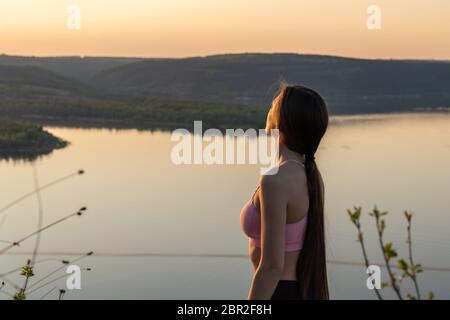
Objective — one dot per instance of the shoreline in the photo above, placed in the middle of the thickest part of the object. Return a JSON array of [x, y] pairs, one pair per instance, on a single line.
[[117, 124], [26, 140]]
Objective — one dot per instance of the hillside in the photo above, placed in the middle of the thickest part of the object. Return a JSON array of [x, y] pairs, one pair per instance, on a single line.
[[31, 76], [78, 68], [29, 91], [222, 90], [37, 94], [349, 85]]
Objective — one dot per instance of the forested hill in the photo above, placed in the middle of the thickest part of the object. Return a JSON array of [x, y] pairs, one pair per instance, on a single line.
[[231, 89], [349, 85]]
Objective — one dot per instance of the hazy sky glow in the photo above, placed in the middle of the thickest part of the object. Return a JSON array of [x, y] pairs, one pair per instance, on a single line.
[[179, 28]]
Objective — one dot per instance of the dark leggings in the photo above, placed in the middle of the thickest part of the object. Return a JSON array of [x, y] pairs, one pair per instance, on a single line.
[[287, 290]]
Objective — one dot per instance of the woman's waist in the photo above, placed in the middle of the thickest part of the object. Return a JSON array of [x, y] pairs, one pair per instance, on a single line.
[[290, 262]]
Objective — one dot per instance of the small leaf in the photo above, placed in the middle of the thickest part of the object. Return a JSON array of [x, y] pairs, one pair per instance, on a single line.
[[27, 271], [402, 264], [393, 254], [417, 268], [382, 225], [20, 295], [375, 212], [410, 297], [408, 216], [389, 251], [354, 215]]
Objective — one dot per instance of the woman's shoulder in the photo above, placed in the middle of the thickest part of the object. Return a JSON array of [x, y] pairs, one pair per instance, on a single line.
[[282, 177], [270, 180], [288, 180]]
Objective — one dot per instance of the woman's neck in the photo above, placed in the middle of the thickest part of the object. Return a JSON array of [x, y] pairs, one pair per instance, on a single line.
[[287, 154]]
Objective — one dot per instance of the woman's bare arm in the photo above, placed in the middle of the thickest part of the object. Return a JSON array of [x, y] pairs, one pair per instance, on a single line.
[[273, 218]]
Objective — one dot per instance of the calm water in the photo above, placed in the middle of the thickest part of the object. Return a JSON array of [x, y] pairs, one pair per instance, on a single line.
[[139, 203]]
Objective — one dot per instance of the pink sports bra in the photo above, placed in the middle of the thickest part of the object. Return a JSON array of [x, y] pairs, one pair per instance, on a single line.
[[251, 225]]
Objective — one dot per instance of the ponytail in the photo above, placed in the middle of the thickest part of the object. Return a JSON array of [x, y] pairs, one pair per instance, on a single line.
[[311, 264]]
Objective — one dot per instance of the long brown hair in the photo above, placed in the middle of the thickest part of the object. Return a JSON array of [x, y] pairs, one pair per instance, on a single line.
[[301, 116]]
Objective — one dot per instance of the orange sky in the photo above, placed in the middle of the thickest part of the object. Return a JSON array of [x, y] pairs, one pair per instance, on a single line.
[[178, 28]]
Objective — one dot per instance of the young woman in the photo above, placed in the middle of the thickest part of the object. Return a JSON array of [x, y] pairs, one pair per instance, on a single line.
[[285, 217]]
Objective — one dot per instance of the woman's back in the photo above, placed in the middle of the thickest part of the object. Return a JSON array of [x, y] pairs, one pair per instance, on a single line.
[[291, 176]]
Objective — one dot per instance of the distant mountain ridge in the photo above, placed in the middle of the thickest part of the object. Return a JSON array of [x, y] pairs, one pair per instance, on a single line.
[[236, 87], [73, 67], [33, 76], [349, 85]]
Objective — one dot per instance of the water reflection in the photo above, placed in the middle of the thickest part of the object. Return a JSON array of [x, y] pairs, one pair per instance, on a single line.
[[139, 203]]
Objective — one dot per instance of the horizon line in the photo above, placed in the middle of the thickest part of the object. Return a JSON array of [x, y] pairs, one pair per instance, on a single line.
[[222, 54]]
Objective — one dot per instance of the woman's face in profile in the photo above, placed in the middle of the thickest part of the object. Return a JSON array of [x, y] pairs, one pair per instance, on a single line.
[[270, 121]]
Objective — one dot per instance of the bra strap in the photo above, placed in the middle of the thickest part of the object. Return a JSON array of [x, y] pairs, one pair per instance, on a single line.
[[253, 195]]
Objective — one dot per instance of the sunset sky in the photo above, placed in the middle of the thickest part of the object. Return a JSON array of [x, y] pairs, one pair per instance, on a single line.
[[180, 28]]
